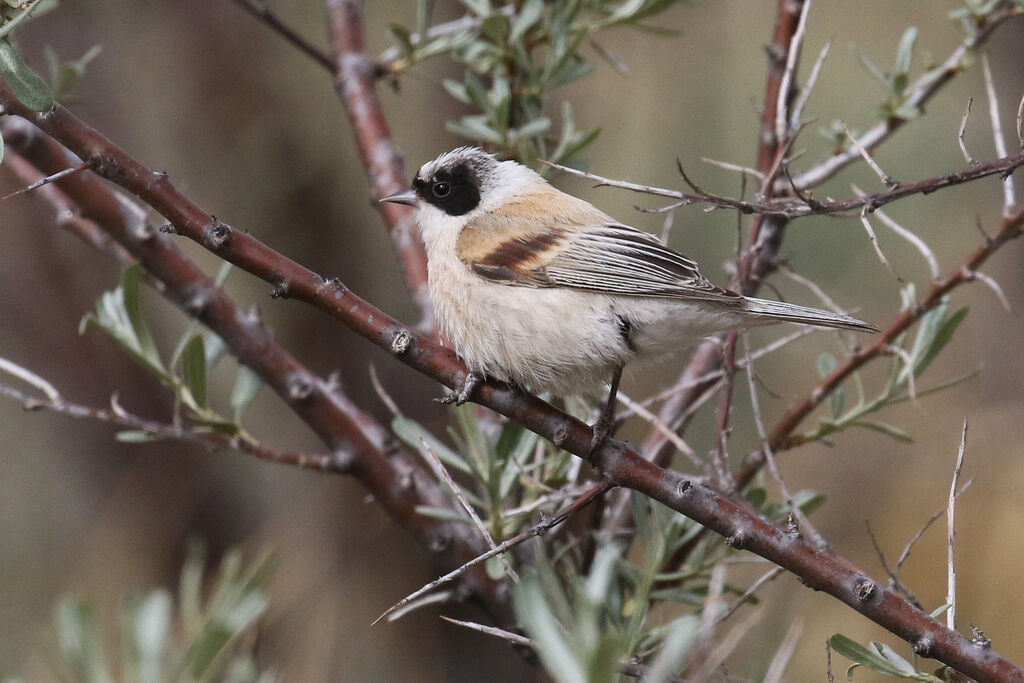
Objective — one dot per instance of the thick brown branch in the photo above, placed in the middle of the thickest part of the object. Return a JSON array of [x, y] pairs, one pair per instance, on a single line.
[[818, 568], [357, 88], [389, 472]]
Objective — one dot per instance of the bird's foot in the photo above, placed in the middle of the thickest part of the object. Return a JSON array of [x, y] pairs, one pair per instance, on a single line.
[[605, 426], [465, 391], [603, 430]]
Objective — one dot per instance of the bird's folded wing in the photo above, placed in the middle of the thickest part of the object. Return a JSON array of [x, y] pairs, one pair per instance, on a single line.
[[608, 258]]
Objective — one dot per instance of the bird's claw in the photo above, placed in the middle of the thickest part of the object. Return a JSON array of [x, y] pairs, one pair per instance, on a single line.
[[463, 394]]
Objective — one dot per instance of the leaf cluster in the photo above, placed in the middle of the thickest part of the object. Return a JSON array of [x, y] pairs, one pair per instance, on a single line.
[[514, 57], [199, 639], [908, 360], [884, 660], [197, 353]]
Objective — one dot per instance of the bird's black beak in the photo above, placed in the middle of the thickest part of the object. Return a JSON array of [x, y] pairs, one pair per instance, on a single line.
[[407, 197]]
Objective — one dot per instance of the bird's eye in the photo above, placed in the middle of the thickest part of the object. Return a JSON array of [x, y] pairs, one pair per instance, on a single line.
[[442, 189]]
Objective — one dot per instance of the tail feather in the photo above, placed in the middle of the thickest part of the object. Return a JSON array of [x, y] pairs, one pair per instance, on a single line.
[[783, 312]]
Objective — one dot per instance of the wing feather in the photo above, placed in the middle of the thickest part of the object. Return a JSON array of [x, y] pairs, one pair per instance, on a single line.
[[607, 257]]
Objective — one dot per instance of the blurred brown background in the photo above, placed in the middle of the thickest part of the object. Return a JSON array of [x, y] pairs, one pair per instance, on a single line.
[[251, 130]]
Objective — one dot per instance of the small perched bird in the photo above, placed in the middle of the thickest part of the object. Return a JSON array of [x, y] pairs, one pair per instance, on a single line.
[[539, 288]]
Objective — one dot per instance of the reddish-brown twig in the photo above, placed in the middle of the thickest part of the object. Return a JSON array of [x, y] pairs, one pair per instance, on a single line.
[[357, 88], [398, 484], [262, 11], [818, 568]]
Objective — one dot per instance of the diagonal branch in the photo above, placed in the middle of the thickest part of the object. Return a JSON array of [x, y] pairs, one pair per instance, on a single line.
[[798, 207], [356, 87], [927, 88], [328, 412], [782, 436], [397, 482], [261, 10]]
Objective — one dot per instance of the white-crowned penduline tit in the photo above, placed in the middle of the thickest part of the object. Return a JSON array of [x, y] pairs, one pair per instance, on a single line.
[[536, 287]]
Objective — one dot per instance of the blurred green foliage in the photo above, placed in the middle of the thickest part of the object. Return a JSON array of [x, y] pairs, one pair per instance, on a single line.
[[208, 635]]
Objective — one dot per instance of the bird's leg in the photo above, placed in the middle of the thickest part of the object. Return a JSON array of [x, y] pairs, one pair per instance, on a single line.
[[605, 425], [465, 391]]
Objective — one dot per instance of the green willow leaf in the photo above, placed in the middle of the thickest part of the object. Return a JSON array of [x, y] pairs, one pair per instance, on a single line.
[[193, 363], [29, 87]]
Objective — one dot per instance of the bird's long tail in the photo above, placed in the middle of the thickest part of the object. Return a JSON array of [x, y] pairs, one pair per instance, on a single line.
[[783, 312]]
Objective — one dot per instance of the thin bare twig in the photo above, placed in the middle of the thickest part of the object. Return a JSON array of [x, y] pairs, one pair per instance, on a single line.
[[805, 92], [1009, 196], [749, 593], [919, 94], [915, 241], [338, 463], [631, 669], [382, 393], [905, 555], [777, 668], [652, 419], [887, 179], [951, 533], [261, 10], [782, 128], [538, 529], [805, 525], [726, 645], [992, 284], [513, 638], [874, 243], [442, 472], [746, 170], [971, 161], [31, 378], [1020, 121], [47, 180], [799, 206]]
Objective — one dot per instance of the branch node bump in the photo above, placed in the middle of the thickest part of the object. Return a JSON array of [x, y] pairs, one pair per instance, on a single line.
[[736, 540], [336, 283], [106, 166], [560, 435], [682, 486], [792, 527], [865, 588], [253, 316], [334, 382], [197, 303], [158, 178], [216, 234], [980, 639], [401, 340], [143, 231], [340, 461], [281, 290], [923, 646], [300, 387], [440, 542]]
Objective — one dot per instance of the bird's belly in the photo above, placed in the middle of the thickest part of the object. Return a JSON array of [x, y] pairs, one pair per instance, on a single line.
[[557, 340]]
